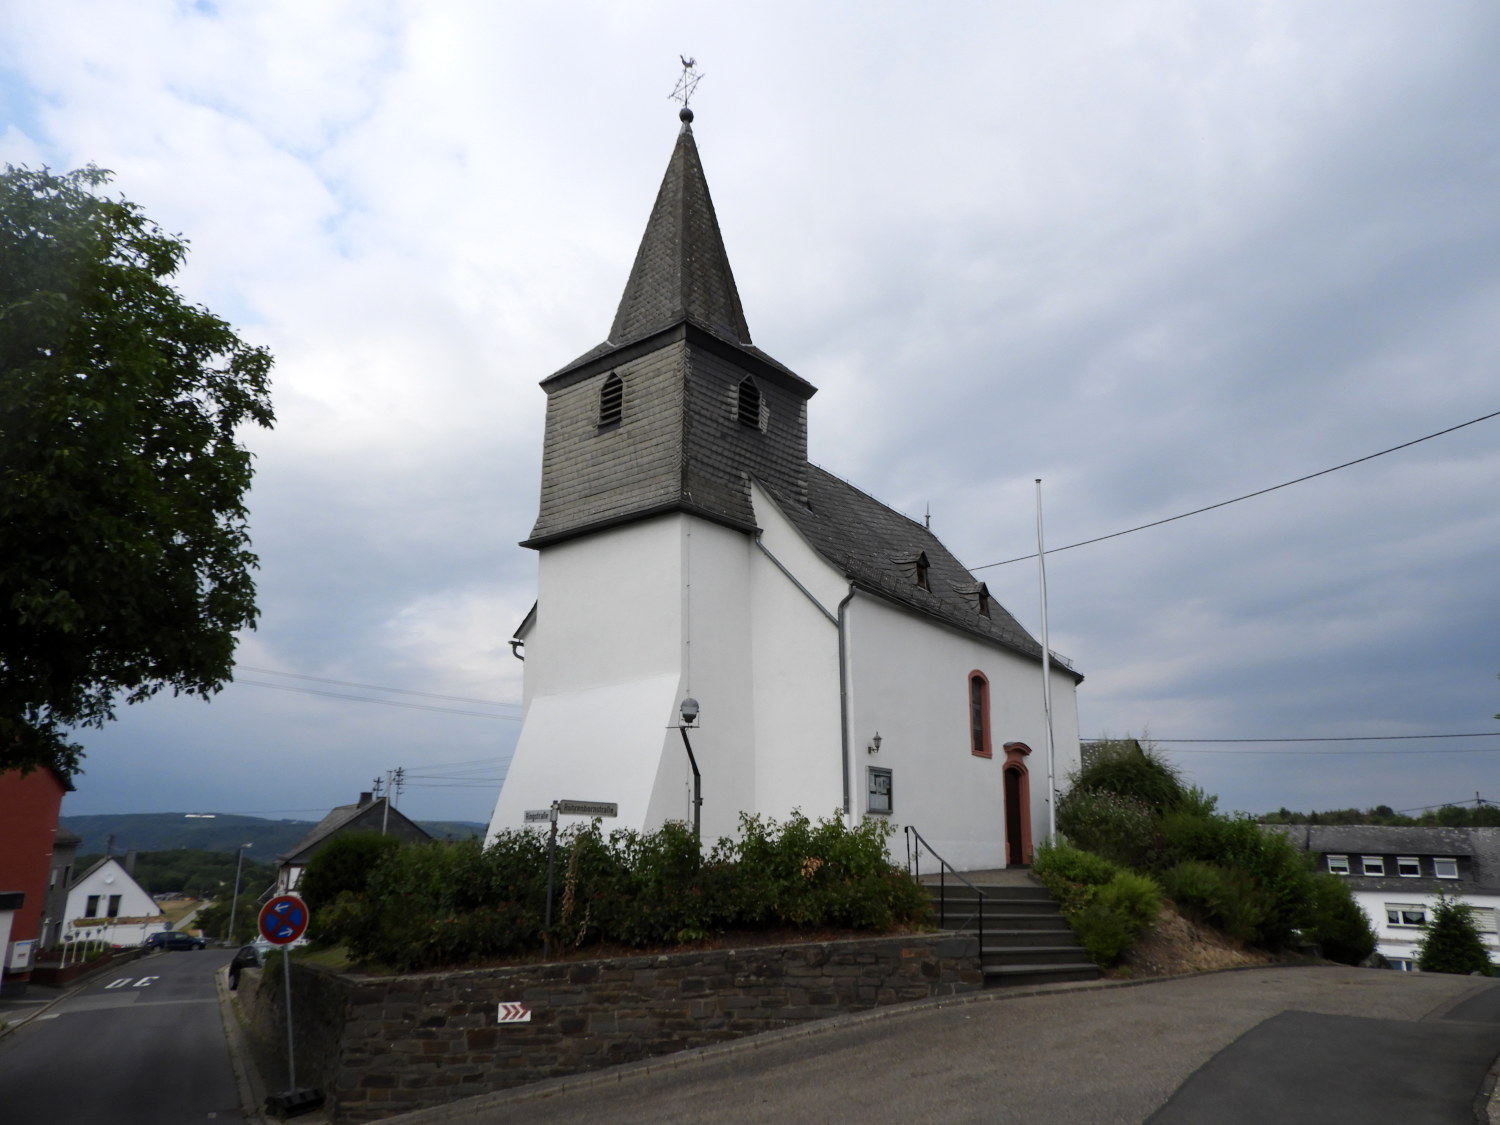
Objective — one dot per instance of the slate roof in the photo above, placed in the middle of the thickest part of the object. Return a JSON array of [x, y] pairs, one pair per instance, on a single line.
[[876, 547], [346, 816], [681, 271], [1480, 847]]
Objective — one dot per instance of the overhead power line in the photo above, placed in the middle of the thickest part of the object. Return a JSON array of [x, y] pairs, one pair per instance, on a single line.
[[382, 702], [378, 687], [1355, 753], [1246, 496], [1339, 738]]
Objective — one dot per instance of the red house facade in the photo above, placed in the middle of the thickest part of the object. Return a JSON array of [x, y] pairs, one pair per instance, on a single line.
[[29, 808]]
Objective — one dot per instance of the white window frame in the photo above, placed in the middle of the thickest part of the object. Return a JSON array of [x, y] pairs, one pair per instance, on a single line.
[[1445, 867], [1411, 861], [1485, 919], [1401, 910], [1372, 864], [1338, 865]]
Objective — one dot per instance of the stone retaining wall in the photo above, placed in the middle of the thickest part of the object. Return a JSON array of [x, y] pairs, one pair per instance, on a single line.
[[378, 1046]]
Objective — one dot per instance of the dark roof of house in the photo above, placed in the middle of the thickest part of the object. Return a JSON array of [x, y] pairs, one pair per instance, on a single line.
[[351, 816], [880, 549], [681, 271], [1479, 846]]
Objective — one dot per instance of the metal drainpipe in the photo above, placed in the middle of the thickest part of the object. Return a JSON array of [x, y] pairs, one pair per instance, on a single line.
[[844, 696]]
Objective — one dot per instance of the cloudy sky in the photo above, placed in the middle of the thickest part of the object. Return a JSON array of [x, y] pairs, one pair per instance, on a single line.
[[1159, 254]]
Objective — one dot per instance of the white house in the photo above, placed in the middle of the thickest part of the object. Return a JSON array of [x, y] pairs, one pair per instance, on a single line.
[[1397, 874], [844, 660], [106, 904]]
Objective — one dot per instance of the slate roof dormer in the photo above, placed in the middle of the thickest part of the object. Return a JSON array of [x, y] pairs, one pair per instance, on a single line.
[[680, 346]]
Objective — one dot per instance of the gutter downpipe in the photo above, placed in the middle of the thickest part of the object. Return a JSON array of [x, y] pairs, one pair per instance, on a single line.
[[844, 696]]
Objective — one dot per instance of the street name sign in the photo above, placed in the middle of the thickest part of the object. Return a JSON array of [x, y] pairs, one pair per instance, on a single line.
[[535, 815], [588, 808]]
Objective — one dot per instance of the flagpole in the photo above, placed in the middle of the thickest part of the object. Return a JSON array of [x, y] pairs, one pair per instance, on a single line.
[[1041, 563]]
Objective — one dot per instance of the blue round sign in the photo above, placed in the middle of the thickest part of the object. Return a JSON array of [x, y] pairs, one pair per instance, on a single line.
[[283, 920]]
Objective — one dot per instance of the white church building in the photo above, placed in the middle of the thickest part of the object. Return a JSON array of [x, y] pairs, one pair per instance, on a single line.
[[843, 660]]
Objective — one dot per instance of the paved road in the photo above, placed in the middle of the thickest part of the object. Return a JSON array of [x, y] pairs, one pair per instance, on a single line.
[[143, 1045], [1284, 1045]]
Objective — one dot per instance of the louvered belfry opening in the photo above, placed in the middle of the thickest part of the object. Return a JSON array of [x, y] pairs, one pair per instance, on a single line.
[[749, 408], [611, 401]]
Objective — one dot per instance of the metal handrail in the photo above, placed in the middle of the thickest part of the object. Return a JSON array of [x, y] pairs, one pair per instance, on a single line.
[[914, 864]]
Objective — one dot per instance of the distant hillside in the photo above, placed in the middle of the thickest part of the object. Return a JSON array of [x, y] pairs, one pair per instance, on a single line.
[[224, 832]]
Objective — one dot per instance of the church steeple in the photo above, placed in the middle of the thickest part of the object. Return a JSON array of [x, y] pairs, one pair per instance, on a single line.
[[681, 270], [677, 411]]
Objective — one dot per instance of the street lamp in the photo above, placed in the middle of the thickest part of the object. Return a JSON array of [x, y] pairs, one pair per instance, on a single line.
[[234, 903], [690, 718]]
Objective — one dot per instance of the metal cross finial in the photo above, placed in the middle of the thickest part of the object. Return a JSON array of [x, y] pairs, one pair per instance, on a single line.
[[688, 82]]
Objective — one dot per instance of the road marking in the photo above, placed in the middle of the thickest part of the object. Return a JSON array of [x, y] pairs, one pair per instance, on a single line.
[[121, 983], [145, 982]]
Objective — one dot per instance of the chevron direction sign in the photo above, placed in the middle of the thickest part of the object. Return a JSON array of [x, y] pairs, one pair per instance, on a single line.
[[515, 1013]]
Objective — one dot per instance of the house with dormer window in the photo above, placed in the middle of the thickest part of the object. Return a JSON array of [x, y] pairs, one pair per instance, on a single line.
[[1398, 874], [843, 659]]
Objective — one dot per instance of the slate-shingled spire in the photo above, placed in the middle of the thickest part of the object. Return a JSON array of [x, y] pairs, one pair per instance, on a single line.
[[654, 420], [681, 270]]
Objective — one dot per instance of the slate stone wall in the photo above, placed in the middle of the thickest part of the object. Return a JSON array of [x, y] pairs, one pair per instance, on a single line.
[[378, 1046]]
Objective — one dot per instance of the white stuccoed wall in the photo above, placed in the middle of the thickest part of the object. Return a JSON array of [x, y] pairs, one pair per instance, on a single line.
[[631, 620]]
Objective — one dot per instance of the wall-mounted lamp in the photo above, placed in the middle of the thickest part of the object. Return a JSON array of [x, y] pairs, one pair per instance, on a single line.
[[874, 747], [689, 712]]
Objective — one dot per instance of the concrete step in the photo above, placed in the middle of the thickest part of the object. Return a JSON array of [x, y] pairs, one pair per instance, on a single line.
[[1012, 939], [1023, 955], [1013, 975], [1026, 940]]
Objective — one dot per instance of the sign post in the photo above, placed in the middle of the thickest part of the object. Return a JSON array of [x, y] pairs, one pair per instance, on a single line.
[[282, 921]]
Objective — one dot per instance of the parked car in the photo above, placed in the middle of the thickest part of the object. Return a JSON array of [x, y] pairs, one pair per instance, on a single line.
[[251, 956], [174, 939]]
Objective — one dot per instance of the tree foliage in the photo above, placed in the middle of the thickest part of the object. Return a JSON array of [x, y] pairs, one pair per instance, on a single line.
[[126, 562], [1452, 943]]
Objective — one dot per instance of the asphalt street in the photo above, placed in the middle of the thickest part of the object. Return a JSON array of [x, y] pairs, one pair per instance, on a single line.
[[142, 1044], [1282, 1044]]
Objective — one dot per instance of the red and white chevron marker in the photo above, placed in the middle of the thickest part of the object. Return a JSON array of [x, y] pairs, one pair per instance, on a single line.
[[515, 1013]]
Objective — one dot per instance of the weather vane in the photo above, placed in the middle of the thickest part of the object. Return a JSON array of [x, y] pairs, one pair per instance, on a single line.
[[687, 83]]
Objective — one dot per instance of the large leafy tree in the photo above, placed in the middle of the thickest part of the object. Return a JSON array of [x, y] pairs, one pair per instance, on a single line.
[[124, 553]]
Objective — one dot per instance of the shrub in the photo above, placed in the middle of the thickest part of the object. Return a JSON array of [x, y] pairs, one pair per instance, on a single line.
[[1452, 943], [1106, 906], [1055, 864], [1218, 896], [1124, 767], [1337, 923], [1274, 879], [343, 864], [1112, 916], [1120, 828]]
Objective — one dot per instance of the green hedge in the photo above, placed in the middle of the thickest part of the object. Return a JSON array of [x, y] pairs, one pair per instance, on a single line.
[[445, 904]]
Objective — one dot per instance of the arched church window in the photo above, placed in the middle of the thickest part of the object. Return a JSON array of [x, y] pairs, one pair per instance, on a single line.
[[979, 715], [611, 401], [749, 406]]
